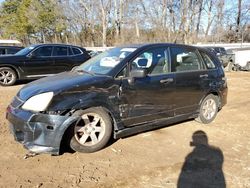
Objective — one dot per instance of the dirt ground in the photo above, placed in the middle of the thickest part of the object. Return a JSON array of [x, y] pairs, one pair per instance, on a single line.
[[159, 158]]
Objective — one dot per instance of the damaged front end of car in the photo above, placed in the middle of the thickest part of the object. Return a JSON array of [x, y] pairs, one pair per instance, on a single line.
[[38, 132], [39, 117]]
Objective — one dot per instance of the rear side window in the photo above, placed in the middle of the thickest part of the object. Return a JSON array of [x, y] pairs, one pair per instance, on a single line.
[[13, 50], [184, 60], [223, 51], [60, 51], [70, 51], [207, 60], [76, 51], [2, 51]]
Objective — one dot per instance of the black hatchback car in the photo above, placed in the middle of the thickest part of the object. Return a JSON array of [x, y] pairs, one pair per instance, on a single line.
[[40, 60], [118, 93]]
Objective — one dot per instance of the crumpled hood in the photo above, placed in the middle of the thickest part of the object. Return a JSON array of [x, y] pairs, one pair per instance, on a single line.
[[59, 83]]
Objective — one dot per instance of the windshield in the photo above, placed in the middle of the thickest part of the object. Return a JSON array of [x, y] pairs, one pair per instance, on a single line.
[[25, 51], [106, 61]]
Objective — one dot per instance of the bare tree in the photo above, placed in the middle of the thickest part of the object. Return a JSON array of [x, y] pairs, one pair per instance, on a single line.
[[219, 29], [105, 6], [118, 15], [238, 19], [210, 17], [200, 4]]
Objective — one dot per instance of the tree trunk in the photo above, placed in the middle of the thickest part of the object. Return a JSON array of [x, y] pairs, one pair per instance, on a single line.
[[238, 20], [209, 19], [43, 37], [104, 23], [199, 19], [137, 30], [184, 21]]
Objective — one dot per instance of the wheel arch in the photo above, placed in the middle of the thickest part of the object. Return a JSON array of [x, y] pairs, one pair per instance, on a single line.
[[67, 127], [14, 68], [215, 93]]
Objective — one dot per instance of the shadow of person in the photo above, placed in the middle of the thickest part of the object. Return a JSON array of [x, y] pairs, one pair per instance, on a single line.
[[203, 166]]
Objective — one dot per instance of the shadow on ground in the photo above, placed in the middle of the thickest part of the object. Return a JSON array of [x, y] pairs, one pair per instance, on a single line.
[[203, 166]]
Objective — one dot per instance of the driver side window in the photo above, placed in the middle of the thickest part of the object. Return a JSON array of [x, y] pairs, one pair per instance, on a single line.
[[45, 51], [155, 61]]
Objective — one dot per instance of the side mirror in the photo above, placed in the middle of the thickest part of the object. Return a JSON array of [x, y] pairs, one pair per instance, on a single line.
[[137, 73], [31, 55]]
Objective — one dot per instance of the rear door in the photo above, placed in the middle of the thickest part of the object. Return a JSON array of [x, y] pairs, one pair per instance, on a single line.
[[191, 77], [79, 56], [149, 98], [62, 59], [40, 62]]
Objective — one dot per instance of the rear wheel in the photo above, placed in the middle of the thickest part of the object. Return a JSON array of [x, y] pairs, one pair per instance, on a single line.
[[248, 66], [229, 66], [92, 131], [208, 109], [7, 76]]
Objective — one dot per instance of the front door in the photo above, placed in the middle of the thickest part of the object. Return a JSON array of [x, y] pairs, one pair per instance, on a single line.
[[40, 63], [149, 98]]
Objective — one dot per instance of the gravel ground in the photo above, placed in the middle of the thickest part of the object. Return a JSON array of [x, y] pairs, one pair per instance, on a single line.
[[159, 158]]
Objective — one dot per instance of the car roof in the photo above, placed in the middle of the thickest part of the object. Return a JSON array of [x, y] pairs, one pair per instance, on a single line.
[[56, 44], [10, 46], [148, 45]]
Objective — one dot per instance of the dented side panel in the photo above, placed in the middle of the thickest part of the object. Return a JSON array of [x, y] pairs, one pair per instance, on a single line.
[[105, 94]]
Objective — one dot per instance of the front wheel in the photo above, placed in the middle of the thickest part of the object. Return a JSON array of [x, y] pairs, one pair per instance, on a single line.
[[7, 76], [92, 131], [208, 109]]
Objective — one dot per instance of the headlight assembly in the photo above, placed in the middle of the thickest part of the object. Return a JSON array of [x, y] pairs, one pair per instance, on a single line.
[[38, 102]]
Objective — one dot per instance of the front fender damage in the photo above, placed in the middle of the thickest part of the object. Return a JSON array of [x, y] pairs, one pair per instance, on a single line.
[[70, 101]]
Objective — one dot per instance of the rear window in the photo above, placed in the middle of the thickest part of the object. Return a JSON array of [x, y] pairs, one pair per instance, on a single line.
[[76, 51], [207, 60], [223, 51], [60, 51]]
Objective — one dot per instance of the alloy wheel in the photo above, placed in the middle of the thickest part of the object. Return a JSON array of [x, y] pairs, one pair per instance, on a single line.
[[209, 109], [90, 129], [6, 77]]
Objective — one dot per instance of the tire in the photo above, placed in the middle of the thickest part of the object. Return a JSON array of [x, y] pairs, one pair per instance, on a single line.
[[8, 76], [208, 109], [89, 137], [236, 67], [248, 66], [229, 66]]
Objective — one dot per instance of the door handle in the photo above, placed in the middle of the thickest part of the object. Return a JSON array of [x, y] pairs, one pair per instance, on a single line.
[[166, 80], [203, 75]]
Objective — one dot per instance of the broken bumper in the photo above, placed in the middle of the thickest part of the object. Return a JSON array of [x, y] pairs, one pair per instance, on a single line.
[[39, 133]]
